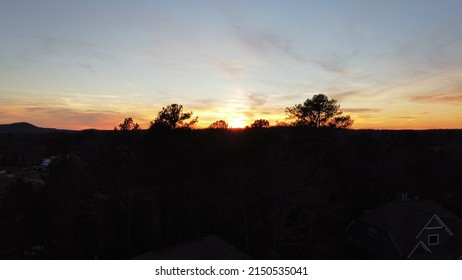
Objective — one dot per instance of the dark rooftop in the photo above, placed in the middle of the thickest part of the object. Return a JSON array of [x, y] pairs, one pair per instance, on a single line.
[[211, 247]]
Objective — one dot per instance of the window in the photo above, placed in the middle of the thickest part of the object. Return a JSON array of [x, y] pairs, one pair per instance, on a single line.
[[433, 239], [372, 231], [403, 196]]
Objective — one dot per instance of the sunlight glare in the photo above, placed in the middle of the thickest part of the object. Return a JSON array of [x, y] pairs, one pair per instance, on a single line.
[[237, 122]]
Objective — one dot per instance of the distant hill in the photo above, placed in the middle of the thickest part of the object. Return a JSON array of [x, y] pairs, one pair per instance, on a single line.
[[25, 128]]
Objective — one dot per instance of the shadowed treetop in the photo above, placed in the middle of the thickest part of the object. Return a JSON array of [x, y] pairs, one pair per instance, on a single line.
[[172, 117], [221, 124], [317, 112], [261, 123], [128, 124]]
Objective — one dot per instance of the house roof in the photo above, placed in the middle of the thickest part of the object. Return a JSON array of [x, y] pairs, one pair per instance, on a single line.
[[404, 220], [211, 247], [452, 250]]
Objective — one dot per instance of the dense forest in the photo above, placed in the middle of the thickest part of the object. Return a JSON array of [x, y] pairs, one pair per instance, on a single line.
[[274, 193]]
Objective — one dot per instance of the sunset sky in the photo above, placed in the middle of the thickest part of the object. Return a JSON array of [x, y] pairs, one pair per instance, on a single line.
[[91, 63]]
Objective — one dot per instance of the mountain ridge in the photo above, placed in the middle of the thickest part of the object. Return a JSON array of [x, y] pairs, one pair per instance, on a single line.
[[26, 128]]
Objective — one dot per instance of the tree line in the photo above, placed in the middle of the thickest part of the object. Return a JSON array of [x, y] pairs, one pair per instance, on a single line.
[[318, 111], [283, 193]]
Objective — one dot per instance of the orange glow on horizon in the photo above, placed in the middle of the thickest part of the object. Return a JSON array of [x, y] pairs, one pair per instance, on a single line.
[[237, 123], [81, 120], [242, 122]]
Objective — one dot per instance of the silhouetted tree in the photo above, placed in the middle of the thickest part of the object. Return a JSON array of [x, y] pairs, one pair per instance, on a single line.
[[128, 124], [282, 124], [319, 111], [261, 123], [221, 124], [172, 117]]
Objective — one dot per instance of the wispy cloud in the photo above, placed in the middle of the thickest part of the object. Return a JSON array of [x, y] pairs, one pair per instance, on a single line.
[[404, 117], [88, 67], [455, 99], [77, 119], [336, 63], [69, 109], [296, 96], [448, 42], [258, 99], [361, 110], [234, 69], [340, 95], [360, 27], [52, 44], [262, 42], [60, 117]]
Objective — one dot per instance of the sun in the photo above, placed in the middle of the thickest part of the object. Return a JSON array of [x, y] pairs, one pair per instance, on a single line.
[[238, 122]]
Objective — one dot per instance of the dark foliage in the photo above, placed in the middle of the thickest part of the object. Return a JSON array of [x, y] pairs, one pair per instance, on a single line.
[[261, 123], [281, 192], [172, 117], [128, 124], [317, 112], [221, 124]]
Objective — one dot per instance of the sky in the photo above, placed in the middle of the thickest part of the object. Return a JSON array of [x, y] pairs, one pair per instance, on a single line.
[[92, 63]]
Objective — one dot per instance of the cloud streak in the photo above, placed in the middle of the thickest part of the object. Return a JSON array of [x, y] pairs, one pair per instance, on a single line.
[[258, 99], [74, 119], [234, 69], [265, 43], [453, 99], [360, 110]]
